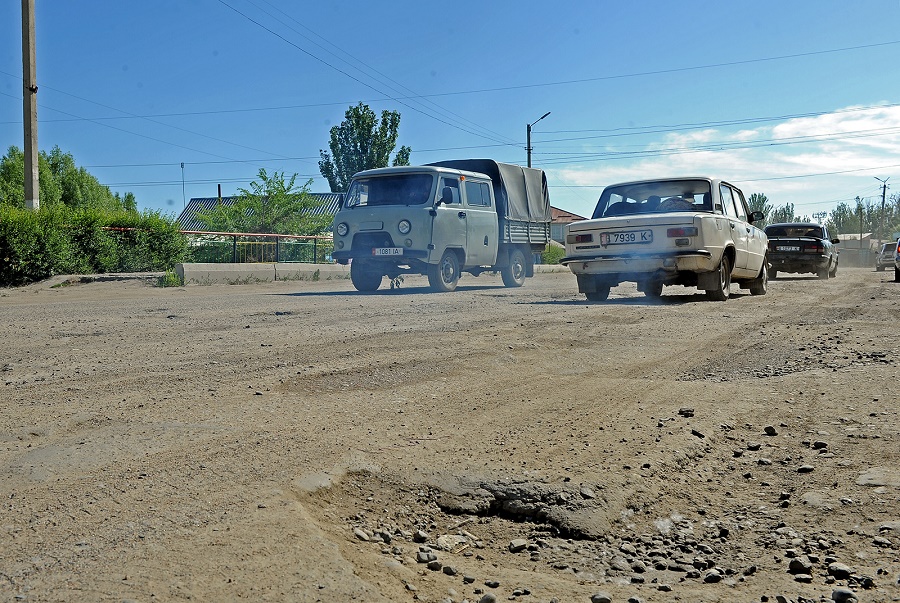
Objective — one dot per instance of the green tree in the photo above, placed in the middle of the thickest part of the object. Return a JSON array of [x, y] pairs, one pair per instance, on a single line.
[[61, 183], [759, 202], [784, 213], [273, 206], [12, 180], [361, 143]]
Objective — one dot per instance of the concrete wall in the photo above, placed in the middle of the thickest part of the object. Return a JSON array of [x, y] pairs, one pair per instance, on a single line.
[[235, 274], [240, 274]]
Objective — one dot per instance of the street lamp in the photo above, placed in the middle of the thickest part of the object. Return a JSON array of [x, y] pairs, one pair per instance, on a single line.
[[528, 143]]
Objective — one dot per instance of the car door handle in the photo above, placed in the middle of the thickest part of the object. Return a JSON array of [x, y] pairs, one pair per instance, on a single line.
[[461, 214], [748, 230]]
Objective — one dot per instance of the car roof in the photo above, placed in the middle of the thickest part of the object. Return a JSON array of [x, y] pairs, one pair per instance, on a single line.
[[804, 224]]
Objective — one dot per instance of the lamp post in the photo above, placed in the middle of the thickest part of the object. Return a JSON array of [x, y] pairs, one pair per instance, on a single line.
[[528, 129]]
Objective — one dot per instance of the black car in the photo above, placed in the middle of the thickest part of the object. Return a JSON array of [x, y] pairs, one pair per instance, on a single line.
[[802, 247]]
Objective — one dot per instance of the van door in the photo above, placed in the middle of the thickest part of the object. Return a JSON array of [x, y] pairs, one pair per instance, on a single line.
[[449, 229], [481, 224]]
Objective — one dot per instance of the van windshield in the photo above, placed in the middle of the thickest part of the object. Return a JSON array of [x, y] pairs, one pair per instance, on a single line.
[[396, 189]]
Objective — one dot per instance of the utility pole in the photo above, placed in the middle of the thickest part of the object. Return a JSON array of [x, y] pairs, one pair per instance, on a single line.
[[528, 139], [29, 107], [820, 215], [859, 210], [881, 218]]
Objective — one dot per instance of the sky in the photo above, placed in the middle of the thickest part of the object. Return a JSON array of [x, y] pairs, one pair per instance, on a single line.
[[798, 100]]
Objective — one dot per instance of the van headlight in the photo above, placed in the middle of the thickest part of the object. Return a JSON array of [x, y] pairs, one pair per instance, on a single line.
[[404, 226], [343, 229]]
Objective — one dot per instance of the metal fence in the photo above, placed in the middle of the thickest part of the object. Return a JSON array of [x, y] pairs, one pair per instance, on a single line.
[[241, 248]]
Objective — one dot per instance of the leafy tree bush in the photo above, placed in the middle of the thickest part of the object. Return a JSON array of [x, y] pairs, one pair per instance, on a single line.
[[271, 205], [553, 254], [35, 245]]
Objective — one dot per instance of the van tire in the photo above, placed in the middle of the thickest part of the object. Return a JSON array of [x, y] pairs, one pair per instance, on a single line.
[[444, 276], [513, 275], [364, 276]]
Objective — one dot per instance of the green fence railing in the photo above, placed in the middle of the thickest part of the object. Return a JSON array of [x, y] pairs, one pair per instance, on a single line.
[[241, 248]]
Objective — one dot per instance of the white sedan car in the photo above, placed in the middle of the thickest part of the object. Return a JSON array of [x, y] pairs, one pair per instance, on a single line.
[[696, 232]]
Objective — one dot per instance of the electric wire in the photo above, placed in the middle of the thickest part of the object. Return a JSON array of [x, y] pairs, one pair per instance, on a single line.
[[354, 78], [385, 79]]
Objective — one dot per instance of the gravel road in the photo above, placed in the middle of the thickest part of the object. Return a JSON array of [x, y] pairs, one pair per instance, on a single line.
[[300, 441]]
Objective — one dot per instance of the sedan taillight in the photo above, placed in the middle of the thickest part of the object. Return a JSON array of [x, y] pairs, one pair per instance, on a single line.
[[684, 231], [579, 238]]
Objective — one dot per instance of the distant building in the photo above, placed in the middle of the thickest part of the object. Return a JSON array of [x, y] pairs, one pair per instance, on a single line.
[[855, 240], [856, 249], [558, 220], [187, 220]]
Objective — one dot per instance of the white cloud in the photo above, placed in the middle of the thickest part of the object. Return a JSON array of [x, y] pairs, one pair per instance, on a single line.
[[812, 162]]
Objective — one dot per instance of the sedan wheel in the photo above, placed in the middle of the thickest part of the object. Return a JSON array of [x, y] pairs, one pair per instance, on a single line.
[[723, 288], [601, 294], [760, 285]]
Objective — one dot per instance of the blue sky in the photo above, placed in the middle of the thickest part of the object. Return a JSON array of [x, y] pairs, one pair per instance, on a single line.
[[797, 99]]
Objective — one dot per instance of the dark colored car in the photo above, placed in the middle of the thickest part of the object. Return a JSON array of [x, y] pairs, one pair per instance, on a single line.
[[802, 247]]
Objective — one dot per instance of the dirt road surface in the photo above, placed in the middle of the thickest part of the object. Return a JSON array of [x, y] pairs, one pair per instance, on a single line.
[[299, 441]]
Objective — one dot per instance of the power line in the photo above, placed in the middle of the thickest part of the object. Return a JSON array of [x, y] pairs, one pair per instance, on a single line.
[[111, 127], [385, 79], [352, 77]]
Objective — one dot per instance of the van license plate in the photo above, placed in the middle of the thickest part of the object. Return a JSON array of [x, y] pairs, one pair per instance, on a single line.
[[387, 251]]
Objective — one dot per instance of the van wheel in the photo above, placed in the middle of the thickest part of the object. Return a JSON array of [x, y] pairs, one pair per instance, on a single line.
[[723, 287], [444, 276], [364, 276], [514, 274], [760, 285]]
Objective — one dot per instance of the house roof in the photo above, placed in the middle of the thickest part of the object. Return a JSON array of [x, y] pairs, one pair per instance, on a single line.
[[187, 220], [561, 216]]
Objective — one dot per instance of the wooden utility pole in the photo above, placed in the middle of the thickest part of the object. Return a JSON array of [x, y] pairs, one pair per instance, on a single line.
[[883, 195], [29, 104]]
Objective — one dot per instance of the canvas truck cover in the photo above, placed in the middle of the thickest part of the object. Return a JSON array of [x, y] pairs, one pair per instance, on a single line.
[[521, 192]]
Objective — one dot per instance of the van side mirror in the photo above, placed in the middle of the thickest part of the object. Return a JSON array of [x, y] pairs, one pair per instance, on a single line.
[[446, 195]]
